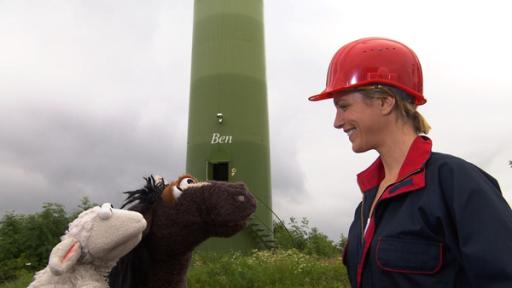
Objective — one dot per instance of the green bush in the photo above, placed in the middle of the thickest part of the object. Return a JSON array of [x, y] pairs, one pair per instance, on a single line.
[[305, 257], [306, 239], [27, 240]]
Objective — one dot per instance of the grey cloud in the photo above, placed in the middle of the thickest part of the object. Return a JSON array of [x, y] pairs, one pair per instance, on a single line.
[[73, 154]]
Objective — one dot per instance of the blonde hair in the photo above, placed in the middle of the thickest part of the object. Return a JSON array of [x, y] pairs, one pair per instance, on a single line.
[[405, 107]]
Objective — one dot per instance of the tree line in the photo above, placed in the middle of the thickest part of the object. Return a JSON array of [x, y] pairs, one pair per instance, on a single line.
[[26, 240]]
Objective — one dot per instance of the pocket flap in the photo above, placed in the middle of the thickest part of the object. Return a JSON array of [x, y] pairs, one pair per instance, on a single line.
[[409, 256]]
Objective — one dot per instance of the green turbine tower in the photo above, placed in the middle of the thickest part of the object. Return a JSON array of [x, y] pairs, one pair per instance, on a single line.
[[228, 138]]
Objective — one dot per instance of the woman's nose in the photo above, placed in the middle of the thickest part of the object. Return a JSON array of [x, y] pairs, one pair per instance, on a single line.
[[338, 119]]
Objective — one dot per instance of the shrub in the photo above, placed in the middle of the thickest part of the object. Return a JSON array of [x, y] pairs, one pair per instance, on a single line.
[[303, 238], [27, 240]]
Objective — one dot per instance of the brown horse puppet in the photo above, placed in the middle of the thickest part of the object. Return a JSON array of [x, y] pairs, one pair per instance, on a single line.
[[180, 216]]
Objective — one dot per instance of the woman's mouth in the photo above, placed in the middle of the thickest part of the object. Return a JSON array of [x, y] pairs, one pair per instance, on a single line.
[[350, 131]]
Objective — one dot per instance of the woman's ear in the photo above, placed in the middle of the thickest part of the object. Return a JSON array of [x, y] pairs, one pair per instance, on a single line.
[[387, 104], [64, 255]]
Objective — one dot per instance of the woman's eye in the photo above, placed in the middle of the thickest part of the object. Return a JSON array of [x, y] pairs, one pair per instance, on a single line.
[[343, 107], [185, 182]]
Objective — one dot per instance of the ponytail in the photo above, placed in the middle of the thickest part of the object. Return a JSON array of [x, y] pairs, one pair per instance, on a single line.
[[421, 125]]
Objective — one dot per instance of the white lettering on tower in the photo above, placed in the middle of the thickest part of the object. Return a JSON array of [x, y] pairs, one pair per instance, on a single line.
[[217, 138]]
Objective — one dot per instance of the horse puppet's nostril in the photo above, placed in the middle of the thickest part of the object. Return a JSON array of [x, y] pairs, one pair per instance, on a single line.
[[240, 198]]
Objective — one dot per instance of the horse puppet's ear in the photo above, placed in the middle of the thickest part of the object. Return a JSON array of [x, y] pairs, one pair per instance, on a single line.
[[64, 255]]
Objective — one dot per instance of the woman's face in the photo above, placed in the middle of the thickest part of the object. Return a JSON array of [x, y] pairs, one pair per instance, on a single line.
[[362, 121]]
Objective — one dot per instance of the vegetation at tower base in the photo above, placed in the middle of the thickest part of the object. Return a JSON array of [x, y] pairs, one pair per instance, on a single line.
[[267, 268], [302, 256], [308, 240]]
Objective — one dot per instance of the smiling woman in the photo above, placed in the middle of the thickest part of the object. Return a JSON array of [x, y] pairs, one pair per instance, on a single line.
[[426, 219], [404, 109]]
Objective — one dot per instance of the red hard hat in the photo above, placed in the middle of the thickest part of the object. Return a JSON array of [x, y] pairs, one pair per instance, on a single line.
[[374, 61]]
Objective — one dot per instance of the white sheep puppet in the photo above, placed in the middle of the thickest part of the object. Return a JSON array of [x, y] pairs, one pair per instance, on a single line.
[[90, 248]]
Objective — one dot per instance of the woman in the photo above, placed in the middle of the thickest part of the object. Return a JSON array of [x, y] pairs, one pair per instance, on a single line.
[[426, 219]]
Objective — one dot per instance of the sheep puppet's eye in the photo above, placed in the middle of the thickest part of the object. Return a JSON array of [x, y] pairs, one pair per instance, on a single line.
[[105, 211], [185, 182]]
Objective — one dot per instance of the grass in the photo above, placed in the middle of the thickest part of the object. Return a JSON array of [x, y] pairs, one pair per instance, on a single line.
[[260, 269], [24, 278], [269, 269]]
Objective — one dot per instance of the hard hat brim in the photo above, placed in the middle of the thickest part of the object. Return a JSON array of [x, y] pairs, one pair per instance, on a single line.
[[321, 96], [419, 99]]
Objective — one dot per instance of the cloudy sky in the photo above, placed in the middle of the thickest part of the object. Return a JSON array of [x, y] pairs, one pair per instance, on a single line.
[[94, 95]]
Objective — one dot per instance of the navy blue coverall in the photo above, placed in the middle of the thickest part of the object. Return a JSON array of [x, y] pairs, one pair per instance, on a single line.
[[443, 223]]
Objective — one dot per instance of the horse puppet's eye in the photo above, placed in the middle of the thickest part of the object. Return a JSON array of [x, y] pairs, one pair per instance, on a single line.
[[185, 182], [173, 191]]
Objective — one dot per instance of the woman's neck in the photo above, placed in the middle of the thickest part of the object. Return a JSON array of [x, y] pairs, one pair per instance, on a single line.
[[394, 149]]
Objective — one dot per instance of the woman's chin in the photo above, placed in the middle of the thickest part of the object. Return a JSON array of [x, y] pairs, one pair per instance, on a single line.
[[359, 148]]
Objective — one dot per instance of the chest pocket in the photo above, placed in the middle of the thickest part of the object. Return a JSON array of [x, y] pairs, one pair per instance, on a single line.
[[409, 256]]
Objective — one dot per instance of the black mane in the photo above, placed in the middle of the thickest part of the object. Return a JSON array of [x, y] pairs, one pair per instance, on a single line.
[[130, 271], [146, 196]]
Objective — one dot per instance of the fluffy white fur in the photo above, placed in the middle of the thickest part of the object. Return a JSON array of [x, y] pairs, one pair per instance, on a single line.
[[90, 248]]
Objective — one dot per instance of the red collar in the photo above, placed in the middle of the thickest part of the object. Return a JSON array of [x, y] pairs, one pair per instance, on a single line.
[[418, 154]]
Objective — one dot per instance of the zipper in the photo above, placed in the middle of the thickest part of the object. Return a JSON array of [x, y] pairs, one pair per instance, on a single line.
[[364, 227]]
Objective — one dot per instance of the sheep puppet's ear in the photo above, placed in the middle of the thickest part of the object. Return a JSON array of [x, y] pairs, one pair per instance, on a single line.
[[64, 256]]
